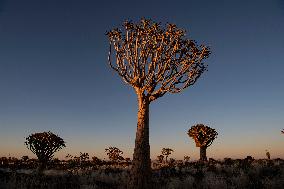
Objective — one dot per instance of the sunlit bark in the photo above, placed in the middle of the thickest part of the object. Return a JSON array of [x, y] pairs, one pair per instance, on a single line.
[[141, 172]]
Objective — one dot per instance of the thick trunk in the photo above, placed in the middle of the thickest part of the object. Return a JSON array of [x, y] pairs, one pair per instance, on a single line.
[[141, 173], [203, 153]]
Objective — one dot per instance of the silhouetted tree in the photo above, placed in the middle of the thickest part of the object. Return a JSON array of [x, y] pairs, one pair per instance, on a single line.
[[166, 152], [114, 154], [96, 160], [128, 160], [267, 154], [68, 156], [154, 60], [4, 161], [160, 158], [25, 158], [84, 157], [44, 145], [203, 137], [186, 158]]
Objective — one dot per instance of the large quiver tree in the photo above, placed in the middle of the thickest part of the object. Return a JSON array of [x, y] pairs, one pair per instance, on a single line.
[[154, 60], [203, 137]]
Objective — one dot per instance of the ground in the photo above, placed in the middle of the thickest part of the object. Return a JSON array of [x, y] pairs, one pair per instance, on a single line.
[[232, 174]]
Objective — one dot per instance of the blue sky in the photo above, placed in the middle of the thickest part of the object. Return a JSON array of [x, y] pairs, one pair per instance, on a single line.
[[54, 76]]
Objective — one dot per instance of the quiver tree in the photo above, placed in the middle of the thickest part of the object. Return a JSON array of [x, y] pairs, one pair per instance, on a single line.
[[160, 158], [203, 137], [114, 154], [25, 158], [267, 154], [186, 158], [44, 145], [166, 152], [154, 60], [83, 158], [96, 160]]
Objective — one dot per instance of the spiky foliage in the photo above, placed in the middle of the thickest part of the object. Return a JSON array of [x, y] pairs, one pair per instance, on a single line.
[[202, 135], [166, 152], [114, 154], [44, 145], [154, 59]]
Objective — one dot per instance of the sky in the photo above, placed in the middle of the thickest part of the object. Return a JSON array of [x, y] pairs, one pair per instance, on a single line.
[[54, 77]]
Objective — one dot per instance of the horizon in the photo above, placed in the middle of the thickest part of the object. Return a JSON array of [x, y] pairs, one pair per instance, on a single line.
[[54, 76]]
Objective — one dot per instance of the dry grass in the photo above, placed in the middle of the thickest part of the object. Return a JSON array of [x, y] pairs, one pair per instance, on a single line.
[[231, 174]]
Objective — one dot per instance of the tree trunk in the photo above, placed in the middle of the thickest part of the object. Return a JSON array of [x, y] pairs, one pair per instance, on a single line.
[[41, 167], [203, 153], [141, 173]]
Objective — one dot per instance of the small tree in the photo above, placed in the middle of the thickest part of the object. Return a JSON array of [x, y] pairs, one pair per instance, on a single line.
[[25, 158], [44, 145], [166, 152], [114, 154], [267, 154], [203, 137], [96, 160], [154, 60], [68, 156], [160, 158], [186, 158], [84, 157]]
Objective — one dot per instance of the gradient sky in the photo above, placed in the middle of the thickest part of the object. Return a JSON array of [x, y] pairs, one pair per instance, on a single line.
[[54, 76]]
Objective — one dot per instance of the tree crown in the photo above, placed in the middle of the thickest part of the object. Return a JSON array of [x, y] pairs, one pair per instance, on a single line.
[[167, 151], [44, 145], [202, 135], [155, 59], [114, 154]]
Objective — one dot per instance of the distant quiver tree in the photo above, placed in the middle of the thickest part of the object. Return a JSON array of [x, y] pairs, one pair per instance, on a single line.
[[44, 145], [154, 60], [166, 152], [203, 137], [160, 158], [114, 154]]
